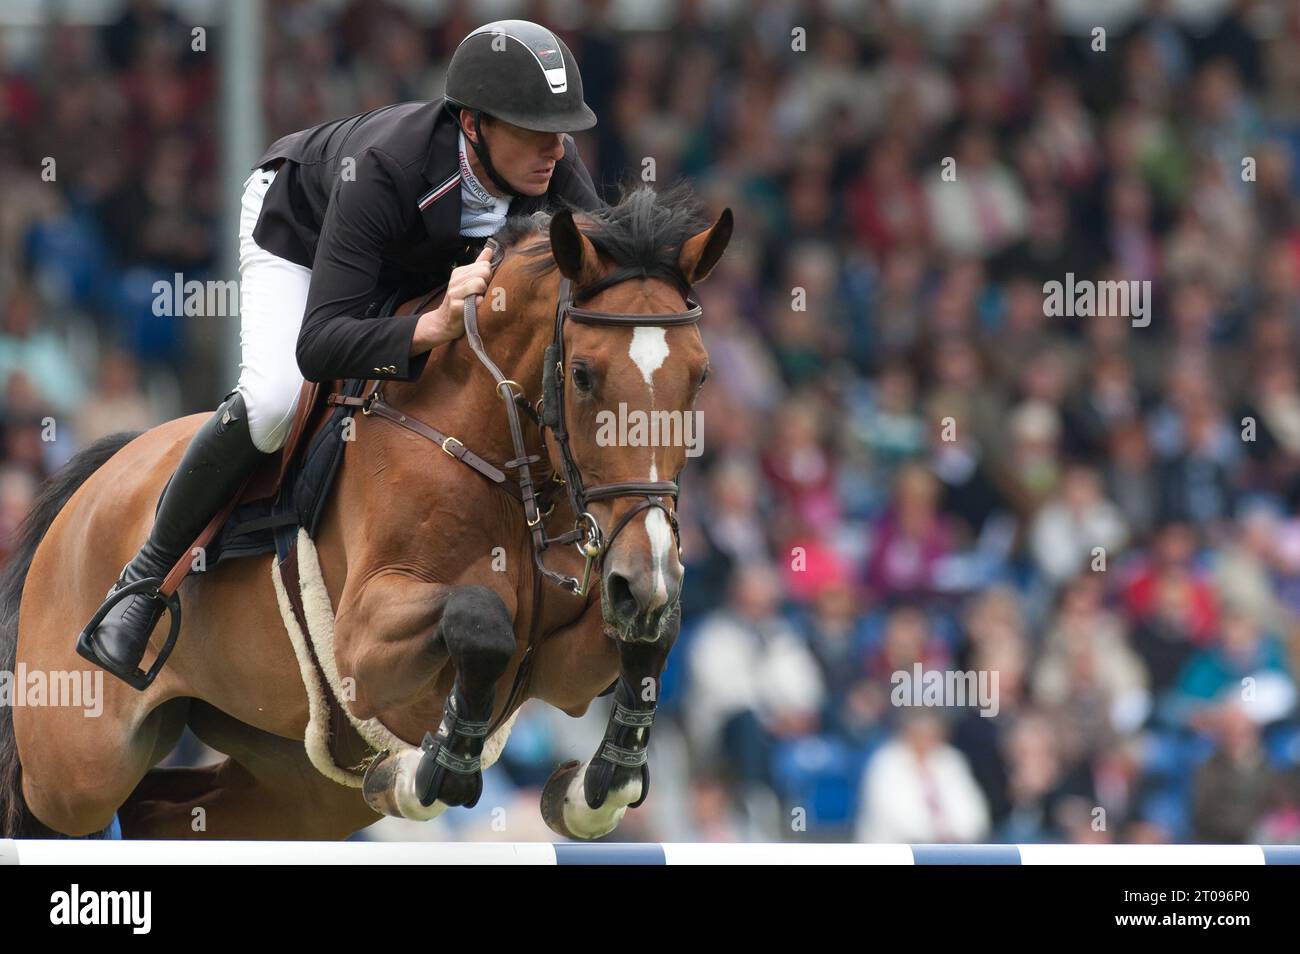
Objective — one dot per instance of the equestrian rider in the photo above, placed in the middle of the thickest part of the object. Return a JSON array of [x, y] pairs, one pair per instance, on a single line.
[[337, 218]]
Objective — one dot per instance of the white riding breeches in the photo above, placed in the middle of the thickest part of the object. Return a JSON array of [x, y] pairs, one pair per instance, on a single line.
[[272, 302]]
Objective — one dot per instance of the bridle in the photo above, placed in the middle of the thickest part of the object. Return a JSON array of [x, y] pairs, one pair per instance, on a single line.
[[586, 534], [552, 415]]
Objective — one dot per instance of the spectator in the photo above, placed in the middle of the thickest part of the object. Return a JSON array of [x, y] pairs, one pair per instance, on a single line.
[[752, 680], [1245, 568], [116, 404], [39, 352], [918, 789], [1076, 525], [1087, 672], [1246, 666], [981, 209], [1042, 786], [910, 540], [1234, 787]]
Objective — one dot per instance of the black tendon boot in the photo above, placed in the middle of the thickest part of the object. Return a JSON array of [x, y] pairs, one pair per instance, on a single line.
[[213, 468]]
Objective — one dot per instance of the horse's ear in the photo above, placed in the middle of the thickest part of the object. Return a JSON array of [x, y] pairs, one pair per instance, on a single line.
[[701, 252], [573, 251]]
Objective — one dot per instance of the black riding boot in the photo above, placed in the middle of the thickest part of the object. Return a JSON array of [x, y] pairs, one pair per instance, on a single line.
[[213, 468]]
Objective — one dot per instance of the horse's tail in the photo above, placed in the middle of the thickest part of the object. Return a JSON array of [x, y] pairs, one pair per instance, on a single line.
[[15, 819]]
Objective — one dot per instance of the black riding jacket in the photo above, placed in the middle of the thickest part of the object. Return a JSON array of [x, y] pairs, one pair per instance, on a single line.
[[386, 221]]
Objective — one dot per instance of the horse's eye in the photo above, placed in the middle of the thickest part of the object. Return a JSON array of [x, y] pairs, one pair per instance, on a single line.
[[703, 377], [581, 379]]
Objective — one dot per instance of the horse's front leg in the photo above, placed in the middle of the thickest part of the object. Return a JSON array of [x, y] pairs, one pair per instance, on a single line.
[[589, 800], [479, 634], [396, 641]]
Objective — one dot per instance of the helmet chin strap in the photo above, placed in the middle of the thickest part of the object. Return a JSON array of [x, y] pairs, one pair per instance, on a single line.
[[480, 149]]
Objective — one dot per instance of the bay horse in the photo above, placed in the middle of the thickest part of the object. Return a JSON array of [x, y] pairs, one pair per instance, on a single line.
[[447, 610]]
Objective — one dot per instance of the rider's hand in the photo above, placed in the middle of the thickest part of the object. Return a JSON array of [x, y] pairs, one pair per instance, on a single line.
[[447, 321]]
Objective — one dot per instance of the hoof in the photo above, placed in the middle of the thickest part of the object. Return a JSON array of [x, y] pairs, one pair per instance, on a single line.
[[389, 787], [555, 793], [565, 808]]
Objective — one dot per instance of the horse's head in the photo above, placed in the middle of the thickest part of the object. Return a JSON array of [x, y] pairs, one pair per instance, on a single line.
[[621, 391]]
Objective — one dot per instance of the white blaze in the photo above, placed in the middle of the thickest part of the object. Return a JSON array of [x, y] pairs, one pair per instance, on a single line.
[[648, 352], [660, 533]]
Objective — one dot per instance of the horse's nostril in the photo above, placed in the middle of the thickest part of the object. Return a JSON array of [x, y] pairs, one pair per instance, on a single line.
[[621, 596]]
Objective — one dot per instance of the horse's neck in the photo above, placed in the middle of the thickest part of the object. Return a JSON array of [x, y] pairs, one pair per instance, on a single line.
[[457, 393]]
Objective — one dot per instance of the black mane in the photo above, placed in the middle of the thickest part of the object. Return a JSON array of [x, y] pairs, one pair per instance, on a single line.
[[642, 235]]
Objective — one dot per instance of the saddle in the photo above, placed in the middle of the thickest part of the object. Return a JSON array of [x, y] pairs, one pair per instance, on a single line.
[[289, 489]]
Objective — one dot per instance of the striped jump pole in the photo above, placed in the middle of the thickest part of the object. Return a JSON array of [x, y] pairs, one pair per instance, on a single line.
[[85, 852]]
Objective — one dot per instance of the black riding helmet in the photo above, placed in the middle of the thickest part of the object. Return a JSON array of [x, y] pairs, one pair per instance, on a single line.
[[521, 73]]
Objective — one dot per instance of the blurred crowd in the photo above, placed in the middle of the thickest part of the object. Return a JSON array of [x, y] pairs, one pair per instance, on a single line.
[[907, 462]]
